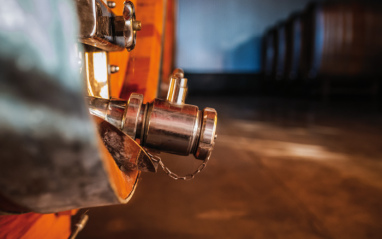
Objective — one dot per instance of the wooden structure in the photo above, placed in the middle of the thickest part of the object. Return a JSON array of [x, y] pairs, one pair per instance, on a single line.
[[269, 53], [294, 39], [281, 52], [329, 43], [343, 40]]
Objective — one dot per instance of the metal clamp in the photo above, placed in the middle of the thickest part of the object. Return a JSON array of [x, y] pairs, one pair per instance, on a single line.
[[100, 28], [126, 27]]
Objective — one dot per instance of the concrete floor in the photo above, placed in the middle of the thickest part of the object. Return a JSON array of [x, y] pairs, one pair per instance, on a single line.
[[280, 169]]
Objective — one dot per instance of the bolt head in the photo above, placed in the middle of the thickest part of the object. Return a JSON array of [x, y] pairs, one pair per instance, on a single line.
[[111, 4], [114, 69], [137, 25]]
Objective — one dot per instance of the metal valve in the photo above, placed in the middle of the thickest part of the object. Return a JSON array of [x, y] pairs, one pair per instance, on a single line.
[[126, 27], [166, 125]]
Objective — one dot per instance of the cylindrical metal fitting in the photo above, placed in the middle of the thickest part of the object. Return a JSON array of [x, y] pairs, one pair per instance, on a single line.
[[137, 25], [165, 125], [110, 110], [161, 125], [177, 90], [171, 128]]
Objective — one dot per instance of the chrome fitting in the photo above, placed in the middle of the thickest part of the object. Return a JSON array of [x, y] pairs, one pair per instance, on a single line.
[[164, 125], [177, 90], [127, 26]]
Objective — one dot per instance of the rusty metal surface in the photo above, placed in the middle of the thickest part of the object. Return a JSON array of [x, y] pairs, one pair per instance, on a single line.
[[127, 153]]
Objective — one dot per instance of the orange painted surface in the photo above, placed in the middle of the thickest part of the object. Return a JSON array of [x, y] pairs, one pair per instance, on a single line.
[[119, 58], [152, 59], [168, 47], [144, 64], [34, 225]]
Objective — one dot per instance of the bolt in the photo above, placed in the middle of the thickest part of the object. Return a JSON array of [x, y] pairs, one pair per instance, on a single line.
[[137, 25], [114, 69], [111, 4]]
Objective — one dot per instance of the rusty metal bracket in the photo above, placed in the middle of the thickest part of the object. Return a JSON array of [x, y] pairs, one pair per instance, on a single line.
[[127, 153]]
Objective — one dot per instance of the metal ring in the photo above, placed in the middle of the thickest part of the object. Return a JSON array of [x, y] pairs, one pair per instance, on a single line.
[[207, 134], [132, 113]]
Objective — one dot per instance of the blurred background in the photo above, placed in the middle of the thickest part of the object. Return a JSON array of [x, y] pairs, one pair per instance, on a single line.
[[296, 84]]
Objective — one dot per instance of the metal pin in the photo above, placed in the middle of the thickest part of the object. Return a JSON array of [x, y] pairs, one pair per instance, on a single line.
[[137, 25], [113, 69], [79, 226]]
